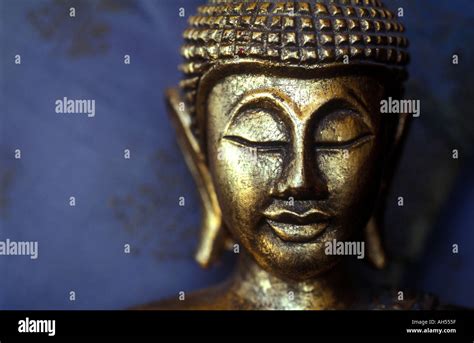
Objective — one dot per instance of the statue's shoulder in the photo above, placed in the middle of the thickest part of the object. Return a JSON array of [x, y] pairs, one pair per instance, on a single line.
[[214, 298], [408, 300]]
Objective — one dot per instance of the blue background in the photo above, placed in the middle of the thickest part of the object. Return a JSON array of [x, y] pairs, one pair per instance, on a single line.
[[135, 201]]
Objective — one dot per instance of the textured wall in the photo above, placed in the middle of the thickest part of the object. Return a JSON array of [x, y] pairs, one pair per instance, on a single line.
[[135, 201]]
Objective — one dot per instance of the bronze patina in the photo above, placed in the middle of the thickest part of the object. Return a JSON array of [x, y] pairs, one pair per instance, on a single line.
[[278, 117]]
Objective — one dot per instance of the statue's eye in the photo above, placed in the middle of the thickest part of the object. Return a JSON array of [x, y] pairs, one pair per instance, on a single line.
[[341, 130], [258, 128]]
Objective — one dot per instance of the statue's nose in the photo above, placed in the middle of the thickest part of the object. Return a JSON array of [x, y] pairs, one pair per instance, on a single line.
[[301, 178]]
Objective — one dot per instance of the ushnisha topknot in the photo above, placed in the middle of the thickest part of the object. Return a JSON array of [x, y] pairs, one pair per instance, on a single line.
[[307, 34]]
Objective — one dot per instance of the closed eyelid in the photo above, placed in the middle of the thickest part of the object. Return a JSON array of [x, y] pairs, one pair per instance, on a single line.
[[259, 117], [258, 145], [341, 126], [258, 125], [352, 143]]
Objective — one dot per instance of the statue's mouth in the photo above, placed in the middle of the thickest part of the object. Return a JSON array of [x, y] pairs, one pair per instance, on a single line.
[[297, 233], [295, 227]]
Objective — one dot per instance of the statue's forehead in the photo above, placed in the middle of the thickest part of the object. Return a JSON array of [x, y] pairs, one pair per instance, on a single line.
[[303, 92]]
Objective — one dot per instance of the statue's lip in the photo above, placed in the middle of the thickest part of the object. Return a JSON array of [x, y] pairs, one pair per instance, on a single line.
[[297, 233], [310, 216]]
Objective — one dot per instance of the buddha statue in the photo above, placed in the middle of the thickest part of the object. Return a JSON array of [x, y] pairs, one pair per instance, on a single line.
[[278, 117]]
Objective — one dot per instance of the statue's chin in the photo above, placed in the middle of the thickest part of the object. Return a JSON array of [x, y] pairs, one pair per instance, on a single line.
[[298, 269]]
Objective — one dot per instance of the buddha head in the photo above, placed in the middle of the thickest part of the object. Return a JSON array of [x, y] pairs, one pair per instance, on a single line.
[[278, 117]]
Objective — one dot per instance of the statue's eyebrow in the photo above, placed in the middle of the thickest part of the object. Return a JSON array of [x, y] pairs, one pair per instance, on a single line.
[[337, 104], [357, 99], [264, 98]]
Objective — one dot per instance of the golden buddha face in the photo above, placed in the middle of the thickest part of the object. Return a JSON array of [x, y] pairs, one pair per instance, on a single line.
[[295, 162]]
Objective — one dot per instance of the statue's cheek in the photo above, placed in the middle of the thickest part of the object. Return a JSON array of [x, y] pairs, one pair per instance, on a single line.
[[245, 176], [347, 172]]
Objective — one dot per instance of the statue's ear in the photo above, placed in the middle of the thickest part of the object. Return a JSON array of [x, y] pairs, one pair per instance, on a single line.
[[374, 229], [212, 238]]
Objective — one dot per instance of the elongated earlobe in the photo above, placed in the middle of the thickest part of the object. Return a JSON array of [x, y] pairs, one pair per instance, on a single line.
[[212, 238], [373, 232], [375, 250]]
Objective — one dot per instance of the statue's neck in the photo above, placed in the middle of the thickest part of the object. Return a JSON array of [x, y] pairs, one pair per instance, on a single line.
[[260, 289]]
